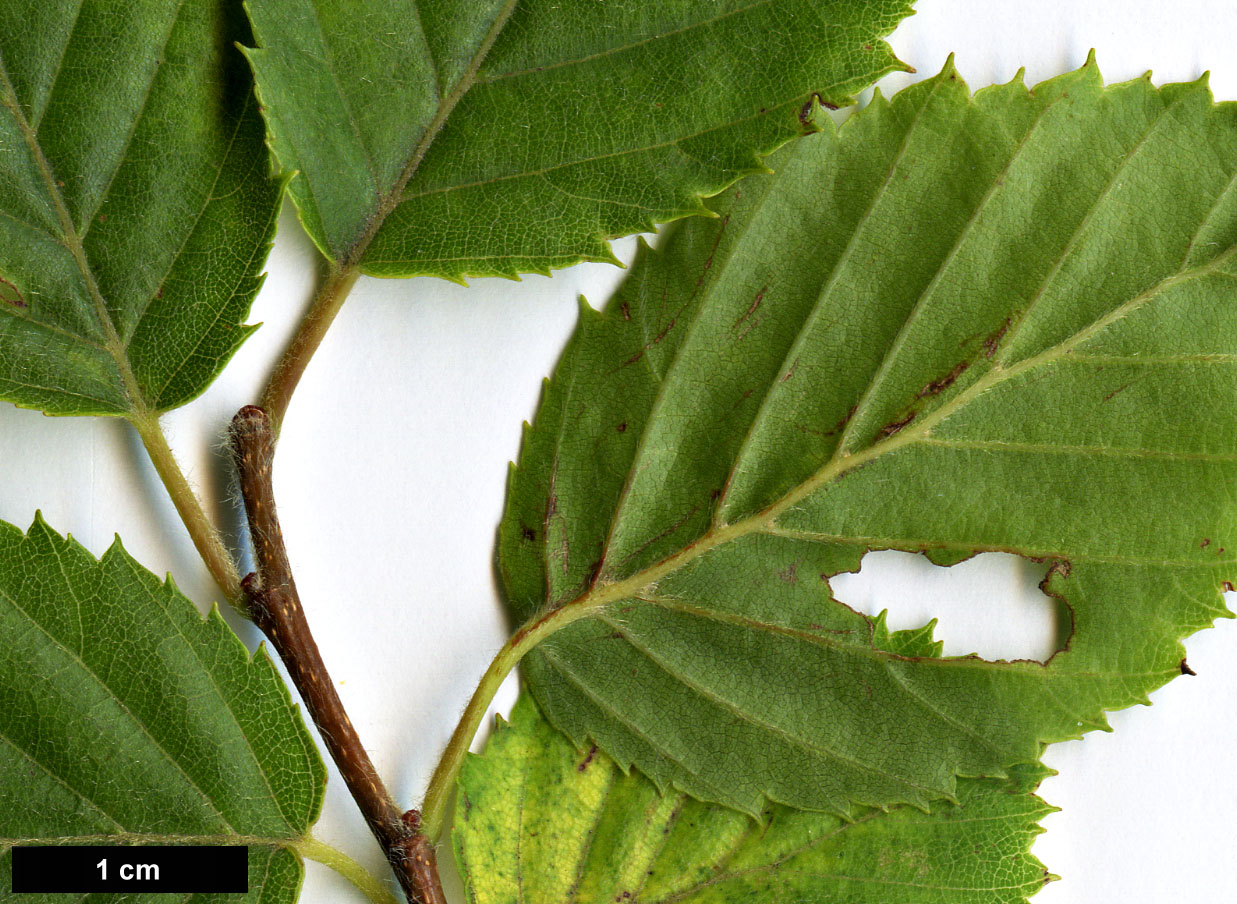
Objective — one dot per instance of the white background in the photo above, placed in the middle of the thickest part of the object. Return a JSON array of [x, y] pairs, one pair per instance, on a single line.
[[391, 473]]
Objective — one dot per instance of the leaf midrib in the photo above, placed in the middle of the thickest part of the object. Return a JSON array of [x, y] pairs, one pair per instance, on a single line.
[[810, 320], [86, 669], [114, 344], [192, 645], [229, 839], [604, 593], [893, 351], [609, 51], [814, 747], [721, 876], [352, 256], [673, 142], [1080, 230]]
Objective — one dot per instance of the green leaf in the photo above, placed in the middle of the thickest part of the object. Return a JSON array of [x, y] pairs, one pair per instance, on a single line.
[[485, 137], [537, 820], [956, 324], [127, 717], [135, 205]]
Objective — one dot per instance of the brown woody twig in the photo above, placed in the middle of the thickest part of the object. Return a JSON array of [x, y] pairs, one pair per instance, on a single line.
[[276, 610]]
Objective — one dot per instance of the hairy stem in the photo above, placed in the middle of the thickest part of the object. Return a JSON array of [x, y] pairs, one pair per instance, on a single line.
[[276, 609], [205, 535], [322, 311], [312, 849], [434, 806]]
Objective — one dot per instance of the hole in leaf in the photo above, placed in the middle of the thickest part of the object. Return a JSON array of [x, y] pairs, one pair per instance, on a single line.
[[990, 604]]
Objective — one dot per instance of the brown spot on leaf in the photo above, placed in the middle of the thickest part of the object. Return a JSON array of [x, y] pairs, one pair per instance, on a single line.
[[1186, 670], [750, 311], [1061, 567], [1120, 388], [937, 386], [10, 294], [588, 759], [789, 573], [891, 429], [1228, 586], [625, 310], [528, 533], [994, 339], [1206, 542], [717, 240], [622, 428]]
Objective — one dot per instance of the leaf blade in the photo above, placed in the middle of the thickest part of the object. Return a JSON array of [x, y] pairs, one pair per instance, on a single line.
[[465, 200], [130, 718], [836, 364], [137, 210], [584, 832]]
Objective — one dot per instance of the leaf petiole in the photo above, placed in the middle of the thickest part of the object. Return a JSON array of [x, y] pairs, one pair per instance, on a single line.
[[202, 531], [310, 848], [437, 794], [318, 319]]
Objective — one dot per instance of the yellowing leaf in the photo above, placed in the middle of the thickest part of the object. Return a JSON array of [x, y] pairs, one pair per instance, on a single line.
[[538, 820]]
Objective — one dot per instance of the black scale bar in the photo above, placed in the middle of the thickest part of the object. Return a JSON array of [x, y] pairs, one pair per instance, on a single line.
[[94, 868]]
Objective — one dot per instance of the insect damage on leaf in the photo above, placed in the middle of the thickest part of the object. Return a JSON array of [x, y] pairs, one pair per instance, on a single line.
[[975, 363]]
